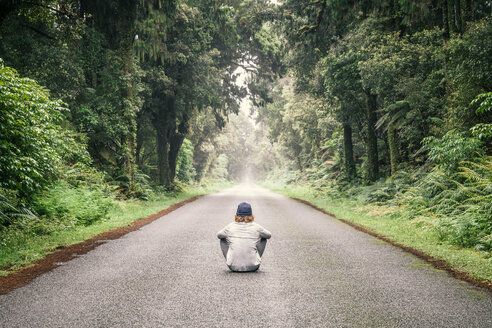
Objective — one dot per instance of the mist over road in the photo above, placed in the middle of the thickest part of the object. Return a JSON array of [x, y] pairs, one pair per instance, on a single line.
[[316, 272]]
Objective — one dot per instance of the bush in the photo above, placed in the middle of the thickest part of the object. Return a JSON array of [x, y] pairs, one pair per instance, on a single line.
[[452, 149], [28, 117], [10, 209], [461, 201], [141, 188], [82, 205]]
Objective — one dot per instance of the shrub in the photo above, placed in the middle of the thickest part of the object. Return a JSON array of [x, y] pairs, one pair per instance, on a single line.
[[28, 133], [11, 210], [84, 205], [483, 131], [452, 149], [461, 201]]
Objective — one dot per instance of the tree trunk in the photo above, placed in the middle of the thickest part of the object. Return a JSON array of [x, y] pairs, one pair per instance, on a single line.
[[459, 22], [466, 13], [445, 19], [299, 163], [129, 158], [126, 27], [349, 151], [163, 124], [140, 140], [176, 141], [435, 15], [393, 147], [372, 141], [162, 157], [473, 9], [200, 159], [452, 16], [365, 8], [116, 21], [174, 146], [204, 167], [396, 17]]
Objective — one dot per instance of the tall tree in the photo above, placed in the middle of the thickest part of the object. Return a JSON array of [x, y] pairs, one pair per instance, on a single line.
[[186, 72], [115, 22]]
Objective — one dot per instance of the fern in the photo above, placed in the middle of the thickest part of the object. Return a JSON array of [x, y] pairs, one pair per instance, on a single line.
[[9, 212], [462, 202]]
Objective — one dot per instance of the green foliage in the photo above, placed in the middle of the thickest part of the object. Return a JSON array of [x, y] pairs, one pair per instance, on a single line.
[[484, 102], [81, 205], [85, 176], [452, 149], [185, 170], [483, 131], [457, 202], [28, 134], [469, 65], [10, 210], [219, 169]]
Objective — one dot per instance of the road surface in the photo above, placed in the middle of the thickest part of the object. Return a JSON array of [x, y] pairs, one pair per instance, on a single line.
[[316, 272]]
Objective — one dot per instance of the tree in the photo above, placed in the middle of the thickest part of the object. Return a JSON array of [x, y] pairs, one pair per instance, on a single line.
[[115, 22], [185, 75]]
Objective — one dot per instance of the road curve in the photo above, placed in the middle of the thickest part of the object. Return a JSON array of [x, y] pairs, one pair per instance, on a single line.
[[316, 272]]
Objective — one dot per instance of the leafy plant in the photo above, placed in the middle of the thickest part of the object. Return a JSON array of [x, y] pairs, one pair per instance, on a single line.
[[185, 170], [484, 101], [28, 134], [83, 205], [483, 131], [452, 149], [459, 202], [10, 211]]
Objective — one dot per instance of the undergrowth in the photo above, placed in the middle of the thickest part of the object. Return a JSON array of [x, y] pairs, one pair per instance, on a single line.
[[451, 194]]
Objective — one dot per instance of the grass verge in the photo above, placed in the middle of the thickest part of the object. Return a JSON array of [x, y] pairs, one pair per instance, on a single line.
[[468, 264], [19, 249]]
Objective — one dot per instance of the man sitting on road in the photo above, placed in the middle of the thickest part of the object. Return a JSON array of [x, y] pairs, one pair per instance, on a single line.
[[243, 241]]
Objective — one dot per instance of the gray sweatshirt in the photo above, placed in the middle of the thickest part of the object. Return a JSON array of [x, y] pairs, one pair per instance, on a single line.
[[242, 239]]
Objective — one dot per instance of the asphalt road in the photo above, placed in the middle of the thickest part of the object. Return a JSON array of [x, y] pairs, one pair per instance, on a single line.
[[316, 272]]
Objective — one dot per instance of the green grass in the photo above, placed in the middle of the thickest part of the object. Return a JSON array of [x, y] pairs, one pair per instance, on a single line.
[[18, 249], [415, 233]]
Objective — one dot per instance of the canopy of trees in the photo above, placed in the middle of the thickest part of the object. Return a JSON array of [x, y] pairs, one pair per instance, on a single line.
[[134, 74]]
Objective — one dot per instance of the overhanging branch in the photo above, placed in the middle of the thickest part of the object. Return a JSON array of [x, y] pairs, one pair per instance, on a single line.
[[64, 13]]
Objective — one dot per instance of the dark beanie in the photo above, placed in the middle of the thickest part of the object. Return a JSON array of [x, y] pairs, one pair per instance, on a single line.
[[244, 209]]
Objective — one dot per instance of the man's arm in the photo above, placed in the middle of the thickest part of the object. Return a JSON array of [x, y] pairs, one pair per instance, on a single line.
[[264, 233], [222, 234]]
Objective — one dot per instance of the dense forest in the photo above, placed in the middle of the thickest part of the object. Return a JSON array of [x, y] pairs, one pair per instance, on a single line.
[[389, 102], [115, 96]]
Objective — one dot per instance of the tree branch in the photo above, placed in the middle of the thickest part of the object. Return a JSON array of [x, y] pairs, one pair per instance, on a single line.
[[64, 13], [40, 32], [313, 28]]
